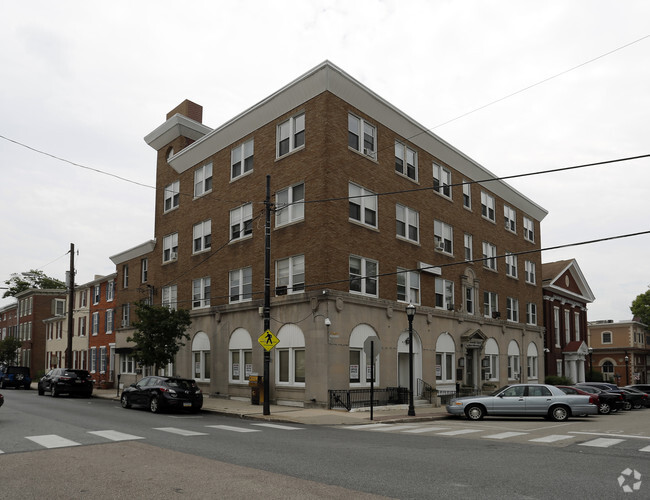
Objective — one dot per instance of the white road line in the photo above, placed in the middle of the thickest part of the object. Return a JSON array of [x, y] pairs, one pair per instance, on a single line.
[[426, 429], [278, 426], [52, 441], [551, 439], [363, 427], [115, 435], [646, 449], [505, 435], [629, 436], [180, 432], [459, 432], [602, 442], [393, 427], [232, 428], [1, 452]]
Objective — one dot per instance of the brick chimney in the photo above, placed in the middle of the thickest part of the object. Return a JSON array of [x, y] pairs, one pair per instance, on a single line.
[[189, 109]]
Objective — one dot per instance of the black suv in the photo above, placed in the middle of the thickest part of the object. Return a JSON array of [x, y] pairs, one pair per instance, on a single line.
[[66, 381], [15, 376]]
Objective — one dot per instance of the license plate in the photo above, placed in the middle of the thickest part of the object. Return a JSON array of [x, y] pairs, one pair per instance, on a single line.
[[187, 405], [77, 381]]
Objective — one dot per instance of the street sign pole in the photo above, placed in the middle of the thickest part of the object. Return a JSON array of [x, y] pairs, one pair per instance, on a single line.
[[372, 378]]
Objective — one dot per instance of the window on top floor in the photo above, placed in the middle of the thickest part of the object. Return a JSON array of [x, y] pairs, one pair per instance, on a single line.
[[362, 136], [529, 229], [362, 205], [606, 337], [291, 135], [467, 196], [442, 180], [487, 206], [510, 217], [241, 159], [203, 180], [110, 290], [171, 196], [406, 161], [144, 270]]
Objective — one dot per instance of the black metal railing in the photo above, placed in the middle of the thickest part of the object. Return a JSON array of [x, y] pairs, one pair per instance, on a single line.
[[426, 391], [359, 398]]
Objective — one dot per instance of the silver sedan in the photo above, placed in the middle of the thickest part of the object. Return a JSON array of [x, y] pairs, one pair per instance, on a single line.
[[524, 400]]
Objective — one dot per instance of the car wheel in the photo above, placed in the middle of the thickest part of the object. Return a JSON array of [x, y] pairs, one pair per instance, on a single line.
[[475, 412], [627, 406], [54, 393], [637, 406], [154, 405], [559, 413], [124, 401], [604, 409]]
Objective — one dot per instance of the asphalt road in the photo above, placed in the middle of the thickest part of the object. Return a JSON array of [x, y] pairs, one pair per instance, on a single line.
[[119, 453]]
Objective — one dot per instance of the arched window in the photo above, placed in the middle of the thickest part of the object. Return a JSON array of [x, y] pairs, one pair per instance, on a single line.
[[492, 357], [513, 361], [531, 361], [445, 358], [241, 356], [290, 356], [608, 370], [201, 357], [360, 365]]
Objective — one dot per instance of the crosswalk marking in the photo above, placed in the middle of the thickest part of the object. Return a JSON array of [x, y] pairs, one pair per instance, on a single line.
[[646, 449], [52, 441], [458, 432], [426, 429], [394, 427], [505, 435], [551, 439], [115, 435], [602, 442], [363, 427], [278, 426], [180, 432], [232, 428]]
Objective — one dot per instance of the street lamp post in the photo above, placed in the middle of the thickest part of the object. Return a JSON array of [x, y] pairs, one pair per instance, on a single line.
[[410, 313], [591, 364], [627, 370]]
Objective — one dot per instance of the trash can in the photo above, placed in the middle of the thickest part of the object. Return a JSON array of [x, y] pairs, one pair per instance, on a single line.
[[256, 383]]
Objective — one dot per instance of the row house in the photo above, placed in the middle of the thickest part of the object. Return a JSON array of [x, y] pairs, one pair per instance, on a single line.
[[620, 350], [103, 315], [9, 321], [566, 295], [371, 212]]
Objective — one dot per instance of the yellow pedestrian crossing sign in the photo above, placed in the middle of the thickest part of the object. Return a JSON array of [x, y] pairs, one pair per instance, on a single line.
[[268, 341]]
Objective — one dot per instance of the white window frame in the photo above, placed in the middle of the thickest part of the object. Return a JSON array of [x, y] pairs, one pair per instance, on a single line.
[[531, 313], [290, 205], [288, 274], [512, 309], [201, 293], [443, 237], [408, 286], [510, 218], [490, 303], [170, 247], [358, 126], [366, 201], [529, 229], [488, 206], [529, 272], [489, 256], [242, 159], [606, 337], [202, 236], [567, 326], [406, 161], [127, 364], [201, 357], [467, 195], [97, 294], [576, 323], [171, 196], [444, 294], [467, 246], [95, 323], [110, 291], [125, 276], [407, 223], [240, 285], [293, 341], [511, 263], [556, 325], [293, 132], [241, 222], [170, 296], [365, 275], [203, 180], [442, 180], [109, 320]]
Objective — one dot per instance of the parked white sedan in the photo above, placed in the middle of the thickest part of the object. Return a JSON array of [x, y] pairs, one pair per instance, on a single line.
[[539, 400]]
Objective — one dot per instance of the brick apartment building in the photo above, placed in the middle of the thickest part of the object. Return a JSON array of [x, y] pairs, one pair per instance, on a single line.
[[566, 295], [371, 211], [9, 321]]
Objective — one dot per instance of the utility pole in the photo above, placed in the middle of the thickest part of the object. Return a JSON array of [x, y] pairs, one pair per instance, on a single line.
[[68, 351], [267, 291]]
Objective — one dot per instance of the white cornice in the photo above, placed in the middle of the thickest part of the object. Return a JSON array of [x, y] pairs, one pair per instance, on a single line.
[[178, 125], [132, 253]]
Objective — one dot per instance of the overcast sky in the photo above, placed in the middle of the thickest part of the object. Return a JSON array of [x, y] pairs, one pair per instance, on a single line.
[[86, 81]]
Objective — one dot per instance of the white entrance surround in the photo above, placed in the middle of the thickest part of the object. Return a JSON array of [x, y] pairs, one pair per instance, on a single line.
[[574, 355], [403, 359]]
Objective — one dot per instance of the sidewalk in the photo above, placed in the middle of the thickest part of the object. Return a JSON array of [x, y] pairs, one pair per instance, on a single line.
[[314, 416]]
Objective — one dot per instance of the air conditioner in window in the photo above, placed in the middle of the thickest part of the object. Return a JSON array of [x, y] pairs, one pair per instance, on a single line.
[[369, 152], [173, 255], [487, 375], [281, 290], [441, 246]]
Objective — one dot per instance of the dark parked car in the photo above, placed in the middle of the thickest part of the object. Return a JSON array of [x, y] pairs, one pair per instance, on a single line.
[[639, 387], [66, 381], [636, 398], [607, 401], [15, 376], [161, 393], [2, 400]]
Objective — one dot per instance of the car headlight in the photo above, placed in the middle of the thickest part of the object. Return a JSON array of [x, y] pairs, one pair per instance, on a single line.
[[456, 403]]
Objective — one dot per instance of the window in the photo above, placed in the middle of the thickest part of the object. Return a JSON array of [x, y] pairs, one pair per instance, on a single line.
[[490, 305], [59, 307], [444, 294], [529, 270], [202, 236], [576, 322], [489, 256], [529, 229], [606, 337], [408, 286], [102, 359], [169, 296], [201, 357], [556, 325], [126, 315], [82, 327], [469, 300], [83, 298], [95, 323], [144, 270], [511, 265], [567, 326], [290, 358], [357, 127], [407, 223], [487, 206], [513, 361], [510, 217], [241, 356], [406, 161], [96, 294], [241, 284], [608, 370], [443, 236], [128, 363], [531, 313], [363, 205], [492, 357], [170, 247], [290, 205], [512, 309], [125, 276], [467, 242], [110, 290], [200, 293], [363, 275], [93, 359], [171, 196], [467, 196], [109, 320], [360, 363], [291, 135], [445, 359], [203, 180], [442, 180], [290, 275], [241, 159], [241, 222]]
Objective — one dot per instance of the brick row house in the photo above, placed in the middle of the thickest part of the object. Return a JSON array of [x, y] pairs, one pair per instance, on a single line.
[[371, 212], [103, 323], [566, 296]]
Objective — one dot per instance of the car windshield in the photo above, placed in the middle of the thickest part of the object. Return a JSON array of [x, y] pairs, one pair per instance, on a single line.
[[499, 390]]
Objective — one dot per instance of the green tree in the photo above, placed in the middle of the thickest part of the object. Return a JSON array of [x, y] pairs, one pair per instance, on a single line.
[[9, 350], [641, 307], [159, 334], [20, 282]]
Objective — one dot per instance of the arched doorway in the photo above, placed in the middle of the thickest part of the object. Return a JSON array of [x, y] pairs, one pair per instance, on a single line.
[[403, 360]]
